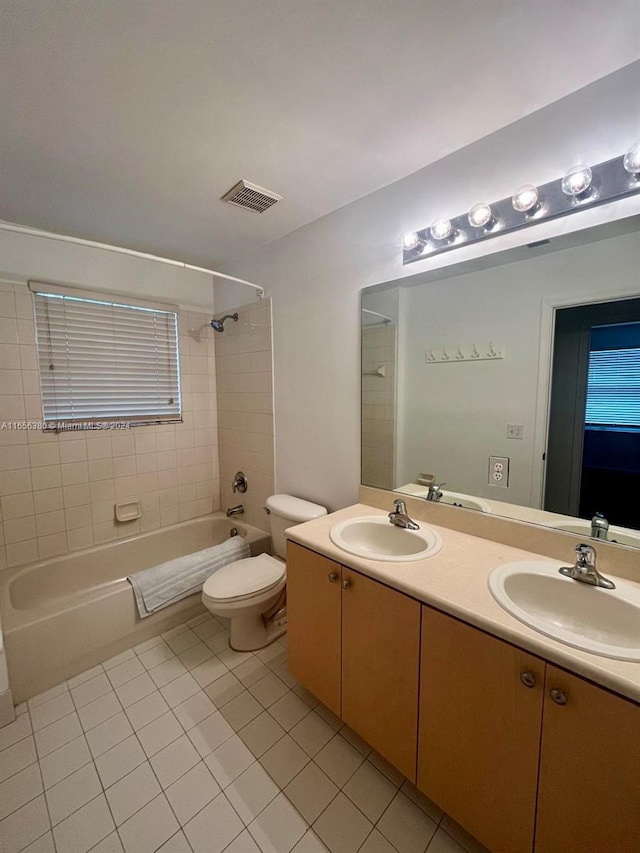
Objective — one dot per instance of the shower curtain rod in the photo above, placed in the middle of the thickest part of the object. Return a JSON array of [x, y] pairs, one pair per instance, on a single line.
[[92, 244], [386, 320]]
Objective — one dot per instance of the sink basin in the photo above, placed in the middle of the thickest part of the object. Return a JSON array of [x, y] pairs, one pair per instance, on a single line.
[[605, 622], [450, 498], [375, 538], [615, 534]]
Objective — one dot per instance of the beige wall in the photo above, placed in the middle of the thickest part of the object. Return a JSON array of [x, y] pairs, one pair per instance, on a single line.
[[57, 492], [245, 409]]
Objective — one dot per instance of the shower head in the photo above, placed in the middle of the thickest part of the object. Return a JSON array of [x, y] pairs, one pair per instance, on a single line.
[[218, 325]]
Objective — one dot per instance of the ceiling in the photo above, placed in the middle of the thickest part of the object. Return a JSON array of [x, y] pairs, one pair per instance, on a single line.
[[124, 121]]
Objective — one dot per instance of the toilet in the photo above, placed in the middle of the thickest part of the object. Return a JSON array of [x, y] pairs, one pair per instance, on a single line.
[[251, 593]]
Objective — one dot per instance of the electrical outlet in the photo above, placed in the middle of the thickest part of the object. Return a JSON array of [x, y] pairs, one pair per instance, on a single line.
[[515, 430], [499, 471]]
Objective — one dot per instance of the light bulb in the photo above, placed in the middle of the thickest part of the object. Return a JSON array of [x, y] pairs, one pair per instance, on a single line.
[[525, 198], [410, 241], [441, 229], [577, 180], [480, 215], [631, 160]]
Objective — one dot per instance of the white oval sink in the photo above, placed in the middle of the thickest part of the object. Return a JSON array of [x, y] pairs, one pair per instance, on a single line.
[[617, 535], [465, 501], [603, 621], [375, 538]]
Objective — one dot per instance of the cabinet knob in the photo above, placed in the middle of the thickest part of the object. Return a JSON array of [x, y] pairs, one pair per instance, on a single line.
[[346, 584], [558, 696], [333, 577], [528, 679]]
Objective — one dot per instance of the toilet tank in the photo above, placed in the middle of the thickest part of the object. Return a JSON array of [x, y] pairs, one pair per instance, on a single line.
[[284, 512]]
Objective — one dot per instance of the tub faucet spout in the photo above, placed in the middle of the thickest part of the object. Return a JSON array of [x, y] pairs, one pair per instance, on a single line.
[[235, 510]]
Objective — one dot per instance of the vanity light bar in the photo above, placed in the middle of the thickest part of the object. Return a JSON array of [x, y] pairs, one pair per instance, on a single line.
[[582, 186]]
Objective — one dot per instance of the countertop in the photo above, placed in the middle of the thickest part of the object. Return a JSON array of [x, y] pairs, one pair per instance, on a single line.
[[455, 581]]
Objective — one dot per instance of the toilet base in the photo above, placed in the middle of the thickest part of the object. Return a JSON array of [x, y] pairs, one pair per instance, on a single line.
[[251, 633]]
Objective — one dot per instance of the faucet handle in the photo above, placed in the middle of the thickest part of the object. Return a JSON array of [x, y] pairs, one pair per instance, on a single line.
[[400, 506], [585, 556]]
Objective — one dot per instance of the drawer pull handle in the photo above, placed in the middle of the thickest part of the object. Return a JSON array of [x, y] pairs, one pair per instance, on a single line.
[[559, 696], [346, 584], [333, 577], [528, 679]]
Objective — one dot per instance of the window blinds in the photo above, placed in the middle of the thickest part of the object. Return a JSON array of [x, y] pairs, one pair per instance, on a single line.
[[106, 361], [613, 388]]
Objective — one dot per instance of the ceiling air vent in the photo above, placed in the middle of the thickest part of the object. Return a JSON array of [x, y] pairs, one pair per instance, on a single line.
[[251, 196]]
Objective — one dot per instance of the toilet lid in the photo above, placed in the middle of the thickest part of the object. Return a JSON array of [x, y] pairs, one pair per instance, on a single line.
[[244, 578]]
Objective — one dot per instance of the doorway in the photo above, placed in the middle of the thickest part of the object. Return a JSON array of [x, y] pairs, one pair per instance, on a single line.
[[593, 447]]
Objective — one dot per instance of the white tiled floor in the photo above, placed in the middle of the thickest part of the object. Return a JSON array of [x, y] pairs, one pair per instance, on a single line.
[[182, 745]]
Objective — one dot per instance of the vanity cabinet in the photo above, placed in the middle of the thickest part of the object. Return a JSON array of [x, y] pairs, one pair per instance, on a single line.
[[355, 644]]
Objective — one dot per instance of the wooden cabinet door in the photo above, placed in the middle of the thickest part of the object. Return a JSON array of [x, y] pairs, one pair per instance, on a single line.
[[589, 788], [313, 623], [480, 731], [380, 668]]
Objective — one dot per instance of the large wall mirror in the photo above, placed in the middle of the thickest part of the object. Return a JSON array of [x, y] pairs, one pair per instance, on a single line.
[[511, 384]]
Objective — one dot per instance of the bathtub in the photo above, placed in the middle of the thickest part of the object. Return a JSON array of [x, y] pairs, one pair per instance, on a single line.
[[64, 615]]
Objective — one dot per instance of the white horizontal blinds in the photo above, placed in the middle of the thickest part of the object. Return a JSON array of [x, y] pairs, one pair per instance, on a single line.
[[106, 361], [613, 388]]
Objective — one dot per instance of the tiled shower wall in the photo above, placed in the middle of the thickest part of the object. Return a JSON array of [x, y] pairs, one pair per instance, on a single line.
[[245, 409], [378, 405], [57, 492]]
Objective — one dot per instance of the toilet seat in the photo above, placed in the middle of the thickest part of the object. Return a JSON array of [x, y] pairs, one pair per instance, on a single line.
[[244, 579]]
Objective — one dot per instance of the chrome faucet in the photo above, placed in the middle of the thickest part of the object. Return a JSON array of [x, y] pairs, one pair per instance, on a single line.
[[400, 518], [599, 526], [585, 568], [235, 510], [435, 493]]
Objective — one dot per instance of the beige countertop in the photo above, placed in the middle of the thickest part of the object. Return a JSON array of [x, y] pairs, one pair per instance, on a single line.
[[455, 581]]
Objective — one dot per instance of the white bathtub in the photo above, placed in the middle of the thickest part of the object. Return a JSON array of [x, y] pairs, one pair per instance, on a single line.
[[64, 615]]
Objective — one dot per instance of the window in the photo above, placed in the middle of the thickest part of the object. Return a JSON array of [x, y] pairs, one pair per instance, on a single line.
[[103, 360], [613, 388]]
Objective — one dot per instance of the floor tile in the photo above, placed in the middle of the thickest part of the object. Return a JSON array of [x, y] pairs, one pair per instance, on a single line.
[[279, 827], [15, 731], [260, 734], [136, 689], [160, 733], [57, 765], [16, 757], [444, 843], [156, 655], [119, 761], [111, 844], [460, 835], [306, 695], [422, 801], [268, 690], [309, 843], [311, 792], [342, 827], [87, 675], [141, 648], [388, 769], [146, 710], [195, 709], [243, 843], [195, 655], [176, 844], [377, 843], [108, 734], [92, 689], [183, 641], [207, 630], [85, 828], [180, 689], [167, 672], [116, 660], [46, 695], [233, 659], [209, 671], [271, 653], [51, 711], [149, 828], [284, 675], [219, 642], [174, 760], [57, 734], [229, 760], [355, 740], [71, 793], [289, 710], [19, 789], [329, 717], [24, 826], [132, 792], [210, 733], [251, 671], [241, 710], [312, 733], [214, 827], [44, 844], [370, 790], [224, 689], [99, 710], [203, 617], [406, 826], [125, 671], [191, 792], [251, 792], [284, 760]]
